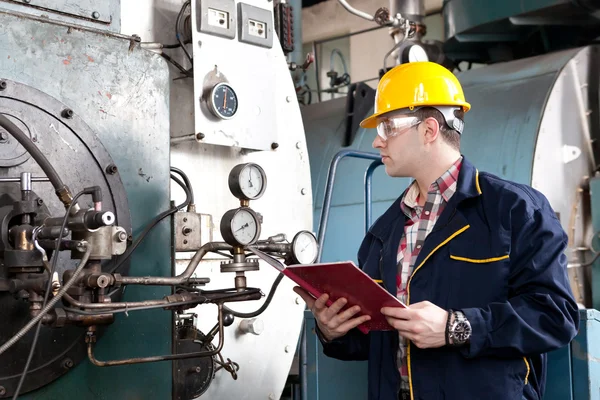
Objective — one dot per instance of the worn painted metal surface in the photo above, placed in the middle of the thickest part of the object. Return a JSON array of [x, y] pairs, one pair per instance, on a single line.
[[122, 94], [105, 14], [265, 360]]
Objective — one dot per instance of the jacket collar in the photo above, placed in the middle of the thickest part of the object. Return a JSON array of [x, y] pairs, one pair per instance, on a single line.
[[467, 187]]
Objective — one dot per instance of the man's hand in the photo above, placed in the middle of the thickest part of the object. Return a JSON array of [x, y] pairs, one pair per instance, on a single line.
[[423, 323], [332, 323]]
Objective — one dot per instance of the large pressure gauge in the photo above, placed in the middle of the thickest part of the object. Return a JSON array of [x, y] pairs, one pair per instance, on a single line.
[[247, 181], [305, 248], [240, 227], [223, 101]]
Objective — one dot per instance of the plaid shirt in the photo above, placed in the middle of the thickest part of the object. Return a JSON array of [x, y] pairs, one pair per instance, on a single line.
[[419, 224]]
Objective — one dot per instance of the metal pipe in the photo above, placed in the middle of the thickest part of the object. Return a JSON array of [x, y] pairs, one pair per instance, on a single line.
[[368, 192], [347, 35], [413, 10], [356, 12], [329, 190], [104, 306], [317, 72], [168, 357], [47, 20], [18, 179], [184, 277]]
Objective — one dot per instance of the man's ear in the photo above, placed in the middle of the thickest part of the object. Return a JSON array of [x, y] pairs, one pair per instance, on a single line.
[[432, 129]]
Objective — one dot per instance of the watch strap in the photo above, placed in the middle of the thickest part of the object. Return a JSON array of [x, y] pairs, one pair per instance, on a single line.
[[450, 312]]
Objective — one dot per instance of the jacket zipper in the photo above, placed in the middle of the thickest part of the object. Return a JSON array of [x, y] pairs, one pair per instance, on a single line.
[[458, 232]]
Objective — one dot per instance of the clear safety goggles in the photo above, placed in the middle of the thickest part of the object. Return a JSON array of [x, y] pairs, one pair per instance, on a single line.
[[389, 127]]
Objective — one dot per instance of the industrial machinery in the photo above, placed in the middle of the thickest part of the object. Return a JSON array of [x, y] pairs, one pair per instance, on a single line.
[[113, 283], [534, 120]]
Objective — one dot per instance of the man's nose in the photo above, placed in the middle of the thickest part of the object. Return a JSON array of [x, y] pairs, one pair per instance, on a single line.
[[379, 143]]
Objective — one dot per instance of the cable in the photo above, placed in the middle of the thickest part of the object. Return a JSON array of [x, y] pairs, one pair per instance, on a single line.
[[186, 180], [46, 295], [177, 65], [183, 7], [35, 152], [151, 225], [263, 307]]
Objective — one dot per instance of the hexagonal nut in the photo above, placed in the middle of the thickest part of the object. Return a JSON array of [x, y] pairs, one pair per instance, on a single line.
[[118, 280], [61, 318]]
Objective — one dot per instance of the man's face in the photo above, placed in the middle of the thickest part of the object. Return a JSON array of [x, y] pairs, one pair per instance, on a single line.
[[400, 144]]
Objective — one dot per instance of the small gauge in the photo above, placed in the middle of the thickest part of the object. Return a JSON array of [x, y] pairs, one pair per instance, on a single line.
[[247, 181], [223, 101], [414, 53], [240, 227], [305, 247]]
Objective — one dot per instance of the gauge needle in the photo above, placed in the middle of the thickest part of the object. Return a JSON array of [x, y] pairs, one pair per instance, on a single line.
[[225, 99], [250, 178], [243, 227]]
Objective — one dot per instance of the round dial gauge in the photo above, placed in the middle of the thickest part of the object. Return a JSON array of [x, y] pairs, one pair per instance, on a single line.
[[240, 227], [417, 53], [305, 247], [223, 101], [247, 181]]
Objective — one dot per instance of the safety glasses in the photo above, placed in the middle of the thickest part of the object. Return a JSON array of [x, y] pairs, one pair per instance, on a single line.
[[393, 126]]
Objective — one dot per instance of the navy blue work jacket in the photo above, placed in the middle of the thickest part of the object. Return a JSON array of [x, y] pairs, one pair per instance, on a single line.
[[497, 254]]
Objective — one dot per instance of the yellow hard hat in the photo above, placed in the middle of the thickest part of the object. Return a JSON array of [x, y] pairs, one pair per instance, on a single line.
[[416, 84]]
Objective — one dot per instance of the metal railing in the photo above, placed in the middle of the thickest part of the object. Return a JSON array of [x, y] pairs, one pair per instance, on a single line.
[[329, 191]]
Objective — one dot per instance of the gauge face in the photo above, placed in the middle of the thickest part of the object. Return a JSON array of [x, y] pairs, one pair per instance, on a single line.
[[417, 53], [247, 181], [305, 247], [240, 227], [223, 101]]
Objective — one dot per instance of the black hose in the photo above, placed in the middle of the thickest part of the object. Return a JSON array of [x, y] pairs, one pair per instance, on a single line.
[[151, 225], [36, 153], [186, 180], [263, 307], [178, 35]]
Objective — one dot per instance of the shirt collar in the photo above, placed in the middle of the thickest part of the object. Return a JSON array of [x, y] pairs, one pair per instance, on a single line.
[[445, 184]]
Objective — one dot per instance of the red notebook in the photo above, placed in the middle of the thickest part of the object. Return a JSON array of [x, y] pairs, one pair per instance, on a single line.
[[341, 279]]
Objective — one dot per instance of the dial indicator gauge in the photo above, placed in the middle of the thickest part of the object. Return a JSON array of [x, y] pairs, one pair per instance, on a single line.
[[305, 248], [240, 227], [223, 101], [247, 181]]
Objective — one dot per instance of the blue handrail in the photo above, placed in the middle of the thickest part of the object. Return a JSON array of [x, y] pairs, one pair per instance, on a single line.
[[329, 190]]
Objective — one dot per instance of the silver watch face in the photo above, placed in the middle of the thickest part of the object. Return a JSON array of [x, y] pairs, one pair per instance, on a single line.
[[461, 331]]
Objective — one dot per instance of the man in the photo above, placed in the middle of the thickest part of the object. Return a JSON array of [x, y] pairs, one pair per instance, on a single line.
[[478, 260]]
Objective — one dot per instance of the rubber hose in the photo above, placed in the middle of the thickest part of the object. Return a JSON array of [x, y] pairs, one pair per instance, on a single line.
[[35, 152]]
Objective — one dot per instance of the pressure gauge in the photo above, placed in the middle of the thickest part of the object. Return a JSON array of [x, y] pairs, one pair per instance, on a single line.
[[240, 227], [305, 248], [247, 181], [414, 53], [223, 101]]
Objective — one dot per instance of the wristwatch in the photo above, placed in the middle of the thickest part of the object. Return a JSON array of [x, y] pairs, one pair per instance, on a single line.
[[459, 331]]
